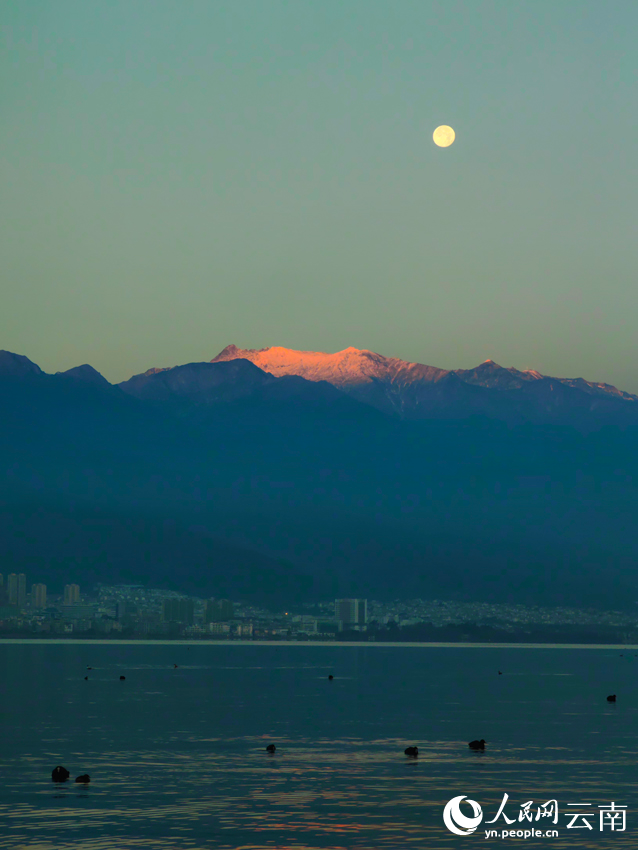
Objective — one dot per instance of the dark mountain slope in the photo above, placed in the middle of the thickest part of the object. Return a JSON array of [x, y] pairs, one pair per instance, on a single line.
[[17, 366], [294, 471], [69, 542]]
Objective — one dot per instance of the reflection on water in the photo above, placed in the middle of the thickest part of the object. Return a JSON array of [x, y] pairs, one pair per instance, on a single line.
[[177, 756]]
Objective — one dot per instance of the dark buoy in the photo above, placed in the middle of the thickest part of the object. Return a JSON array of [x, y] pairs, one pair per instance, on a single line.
[[611, 698], [122, 678], [86, 678], [85, 778], [477, 745], [271, 748], [330, 677], [60, 774], [412, 751]]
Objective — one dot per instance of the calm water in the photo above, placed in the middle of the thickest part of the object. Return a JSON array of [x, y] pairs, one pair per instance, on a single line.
[[177, 756]]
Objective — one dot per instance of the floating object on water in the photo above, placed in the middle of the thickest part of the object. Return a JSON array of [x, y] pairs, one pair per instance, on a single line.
[[86, 678], [85, 778], [60, 774], [477, 745], [500, 673], [611, 698], [271, 748], [330, 677], [412, 751], [175, 666], [122, 678]]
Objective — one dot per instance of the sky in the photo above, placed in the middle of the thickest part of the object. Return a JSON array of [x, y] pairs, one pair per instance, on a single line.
[[176, 177]]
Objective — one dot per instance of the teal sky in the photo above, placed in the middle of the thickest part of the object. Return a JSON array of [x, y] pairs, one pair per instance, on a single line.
[[178, 176]]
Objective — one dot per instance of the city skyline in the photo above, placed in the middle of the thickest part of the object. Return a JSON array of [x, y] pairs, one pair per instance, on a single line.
[[128, 611]]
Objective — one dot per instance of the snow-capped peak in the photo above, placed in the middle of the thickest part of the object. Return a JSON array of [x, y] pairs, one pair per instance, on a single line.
[[351, 366]]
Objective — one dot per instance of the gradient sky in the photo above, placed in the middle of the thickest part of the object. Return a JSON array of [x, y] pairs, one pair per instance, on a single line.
[[178, 176]]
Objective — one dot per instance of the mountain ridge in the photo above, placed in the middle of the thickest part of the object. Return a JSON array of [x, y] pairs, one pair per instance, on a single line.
[[341, 369], [394, 387]]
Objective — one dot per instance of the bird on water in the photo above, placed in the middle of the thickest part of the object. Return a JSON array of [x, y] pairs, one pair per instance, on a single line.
[[477, 745], [60, 774]]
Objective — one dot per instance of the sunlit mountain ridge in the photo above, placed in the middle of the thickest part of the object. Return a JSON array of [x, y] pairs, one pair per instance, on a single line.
[[393, 386], [354, 366]]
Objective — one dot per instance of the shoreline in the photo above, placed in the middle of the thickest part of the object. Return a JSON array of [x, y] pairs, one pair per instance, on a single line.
[[331, 644]]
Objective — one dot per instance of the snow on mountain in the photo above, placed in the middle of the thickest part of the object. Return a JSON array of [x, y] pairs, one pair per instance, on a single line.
[[490, 374], [343, 369], [354, 368], [594, 388]]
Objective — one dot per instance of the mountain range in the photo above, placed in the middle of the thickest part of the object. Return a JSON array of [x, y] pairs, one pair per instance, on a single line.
[[399, 388], [296, 475], [353, 368]]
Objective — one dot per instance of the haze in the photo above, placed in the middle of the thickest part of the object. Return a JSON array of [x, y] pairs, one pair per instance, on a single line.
[[178, 176]]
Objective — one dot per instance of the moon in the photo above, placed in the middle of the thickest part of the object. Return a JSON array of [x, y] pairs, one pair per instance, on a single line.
[[443, 136]]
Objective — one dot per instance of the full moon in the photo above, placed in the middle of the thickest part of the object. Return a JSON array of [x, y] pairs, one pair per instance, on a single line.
[[443, 136]]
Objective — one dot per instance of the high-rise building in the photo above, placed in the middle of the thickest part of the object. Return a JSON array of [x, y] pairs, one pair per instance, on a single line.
[[351, 612], [179, 611], [39, 595], [71, 594], [219, 610], [17, 589]]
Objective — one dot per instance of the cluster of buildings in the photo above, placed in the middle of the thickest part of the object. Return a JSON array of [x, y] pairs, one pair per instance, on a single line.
[[134, 610], [137, 611], [38, 610], [221, 617], [412, 612]]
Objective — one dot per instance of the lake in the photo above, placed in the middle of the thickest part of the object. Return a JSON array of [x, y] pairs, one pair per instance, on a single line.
[[177, 755]]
